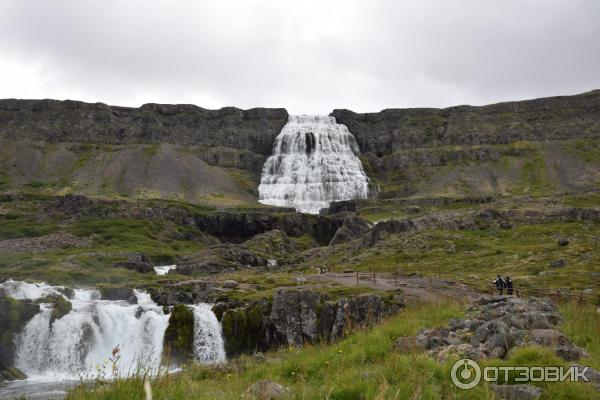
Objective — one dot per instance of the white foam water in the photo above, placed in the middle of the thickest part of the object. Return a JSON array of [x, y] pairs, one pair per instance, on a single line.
[[314, 162], [208, 339], [164, 269], [79, 345]]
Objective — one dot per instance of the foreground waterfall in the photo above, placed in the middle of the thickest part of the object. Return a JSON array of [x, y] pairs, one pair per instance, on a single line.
[[79, 344], [314, 162]]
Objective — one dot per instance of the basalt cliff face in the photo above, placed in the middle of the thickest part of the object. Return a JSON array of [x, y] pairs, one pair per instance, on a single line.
[[542, 146], [537, 147], [75, 121], [553, 118]]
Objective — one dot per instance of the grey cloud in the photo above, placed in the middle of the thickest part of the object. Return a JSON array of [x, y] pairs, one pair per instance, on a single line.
[[309, 56]]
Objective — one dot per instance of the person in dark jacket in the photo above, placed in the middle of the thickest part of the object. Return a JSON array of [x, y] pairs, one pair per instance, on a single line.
[[500, 284], [509, 285]]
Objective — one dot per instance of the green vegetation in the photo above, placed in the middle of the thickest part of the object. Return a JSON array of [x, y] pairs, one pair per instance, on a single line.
[[111, 241], [587, 150], [15, 225], [582, 324]]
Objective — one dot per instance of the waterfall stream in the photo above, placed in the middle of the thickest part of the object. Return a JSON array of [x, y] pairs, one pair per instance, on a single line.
[[314, 162], [78, 345]]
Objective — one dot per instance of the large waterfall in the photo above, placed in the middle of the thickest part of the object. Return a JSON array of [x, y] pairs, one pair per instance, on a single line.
[[314, 162], [79, 345]]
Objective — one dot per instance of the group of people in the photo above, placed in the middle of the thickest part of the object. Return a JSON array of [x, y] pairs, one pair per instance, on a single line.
[[503, 283]]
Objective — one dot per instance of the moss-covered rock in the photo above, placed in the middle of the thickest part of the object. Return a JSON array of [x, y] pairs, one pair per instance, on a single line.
[[61, 307], [179, 336], [245, 329], [14, 314]]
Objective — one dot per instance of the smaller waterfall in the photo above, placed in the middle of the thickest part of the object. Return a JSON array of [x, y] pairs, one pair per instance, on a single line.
[[314, 162], [208, 339], [164, 269], [78, 345]]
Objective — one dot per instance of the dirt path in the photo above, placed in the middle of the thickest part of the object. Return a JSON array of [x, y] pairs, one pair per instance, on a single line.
[[416, 286]]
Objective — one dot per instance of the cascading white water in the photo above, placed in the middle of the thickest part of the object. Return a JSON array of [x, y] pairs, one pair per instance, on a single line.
[[208, 339], [314, 162], [164, 269], [78, 345]]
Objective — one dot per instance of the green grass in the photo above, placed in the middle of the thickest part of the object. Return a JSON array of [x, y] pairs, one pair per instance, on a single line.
[[20, 226], [477, 256], [582, 325]]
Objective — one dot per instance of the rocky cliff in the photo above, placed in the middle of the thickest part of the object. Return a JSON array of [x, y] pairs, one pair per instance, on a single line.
[[296, 317], [541, 147], [75, 121], [554, 118]]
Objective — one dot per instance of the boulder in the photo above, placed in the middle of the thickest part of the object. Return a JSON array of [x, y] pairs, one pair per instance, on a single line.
[[517, 392], [230, 284], [336, 207], [408, 344], [561, 263], [570, 352], [118, 293], [547, 337], [563, 242], [138, 266], [268, 390]]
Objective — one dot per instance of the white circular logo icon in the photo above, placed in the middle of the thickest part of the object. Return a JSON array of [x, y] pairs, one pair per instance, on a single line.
[[465, 374]]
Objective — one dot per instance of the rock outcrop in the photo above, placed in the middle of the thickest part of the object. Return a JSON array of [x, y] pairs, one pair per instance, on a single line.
[[294, 317], [479, 219], [352, 228], [219, 258], [235, 225], [184, 292]]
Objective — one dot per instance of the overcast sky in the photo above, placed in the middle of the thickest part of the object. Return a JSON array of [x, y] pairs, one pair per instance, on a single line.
[[306, 56]]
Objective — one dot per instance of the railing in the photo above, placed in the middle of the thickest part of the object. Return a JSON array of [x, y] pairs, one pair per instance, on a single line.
[[558, 294]]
